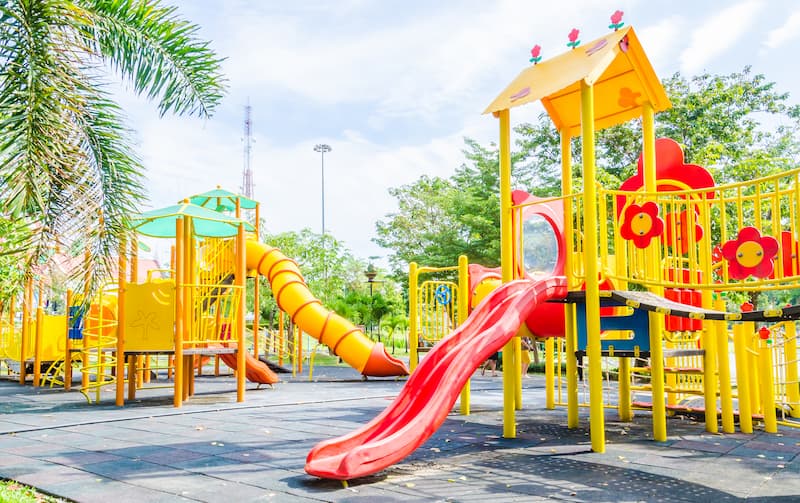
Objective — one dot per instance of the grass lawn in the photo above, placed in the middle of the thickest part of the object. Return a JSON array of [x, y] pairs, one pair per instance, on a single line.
[[14, 492]]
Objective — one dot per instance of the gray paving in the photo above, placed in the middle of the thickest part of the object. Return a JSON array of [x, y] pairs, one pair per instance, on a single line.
[[214, 449]]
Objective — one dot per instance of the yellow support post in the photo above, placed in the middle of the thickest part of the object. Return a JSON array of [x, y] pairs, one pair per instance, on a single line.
[[790, 356], [84, 339], [656, 321], [549, 374], [177, 399], [710, 371], [68, 347], [724, 371], [241, 282], [507, 269], [752, 363], [625, 405], [591, 260], [570, 335], [120, 367], [256, 294], [767, 387], [37, 336], [26, 328], [742, 379], [37, 343], [463, 307], [516, 343], [413, 336]]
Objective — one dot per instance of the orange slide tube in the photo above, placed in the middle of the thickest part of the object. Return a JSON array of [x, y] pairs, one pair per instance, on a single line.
[[293, 296]]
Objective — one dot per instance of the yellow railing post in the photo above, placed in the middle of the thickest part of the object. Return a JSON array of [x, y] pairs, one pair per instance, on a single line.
[[26, 328], [767, 385], [724, 370], [120, 349], [791, 357], [37, 343], [413, 320], [463, 307], [549, 374], [625, 405], [709, 342], [68, 346], [742, 379], [751, 340]]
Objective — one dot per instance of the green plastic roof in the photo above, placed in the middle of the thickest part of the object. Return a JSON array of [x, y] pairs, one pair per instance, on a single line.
[[160, 223], [223, 199]]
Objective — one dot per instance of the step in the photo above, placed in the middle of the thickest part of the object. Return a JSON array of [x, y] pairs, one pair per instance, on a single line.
[[671, 370]]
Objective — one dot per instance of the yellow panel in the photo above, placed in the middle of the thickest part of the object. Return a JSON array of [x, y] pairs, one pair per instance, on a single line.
[[150, 316], [54, 337]]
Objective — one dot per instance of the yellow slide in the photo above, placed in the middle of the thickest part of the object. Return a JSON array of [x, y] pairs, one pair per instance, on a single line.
[[294, 297]]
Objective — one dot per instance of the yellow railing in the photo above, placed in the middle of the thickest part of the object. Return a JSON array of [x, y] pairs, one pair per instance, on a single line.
[[696, 226]]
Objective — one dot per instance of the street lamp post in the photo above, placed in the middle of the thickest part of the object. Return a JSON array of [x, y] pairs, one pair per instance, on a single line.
[[371, 273], [322, 148]]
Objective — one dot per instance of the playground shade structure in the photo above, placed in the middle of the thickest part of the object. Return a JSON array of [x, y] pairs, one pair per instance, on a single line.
[[425, 401], [293, 296]]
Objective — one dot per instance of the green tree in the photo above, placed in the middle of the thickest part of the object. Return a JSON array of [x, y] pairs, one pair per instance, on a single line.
[[68, 171]]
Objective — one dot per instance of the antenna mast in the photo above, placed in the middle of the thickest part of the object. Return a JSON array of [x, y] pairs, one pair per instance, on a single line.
[[247, 175]]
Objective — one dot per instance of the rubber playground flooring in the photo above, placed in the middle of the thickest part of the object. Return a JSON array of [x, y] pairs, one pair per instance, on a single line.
[[214, 449]]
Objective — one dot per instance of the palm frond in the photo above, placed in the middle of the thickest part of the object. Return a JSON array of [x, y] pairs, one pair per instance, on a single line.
[[159, 52]]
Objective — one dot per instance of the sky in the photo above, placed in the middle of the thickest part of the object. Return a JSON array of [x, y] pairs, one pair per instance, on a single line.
[[395, 86]]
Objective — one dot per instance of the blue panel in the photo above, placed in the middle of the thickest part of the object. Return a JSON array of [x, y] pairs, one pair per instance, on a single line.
[[638, 323], [75, 323]]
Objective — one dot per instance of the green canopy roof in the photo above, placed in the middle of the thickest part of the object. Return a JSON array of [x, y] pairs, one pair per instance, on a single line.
[[223, 199], [160, 223]]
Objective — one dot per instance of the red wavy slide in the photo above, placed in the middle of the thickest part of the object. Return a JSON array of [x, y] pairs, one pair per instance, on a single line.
[[429, 394]]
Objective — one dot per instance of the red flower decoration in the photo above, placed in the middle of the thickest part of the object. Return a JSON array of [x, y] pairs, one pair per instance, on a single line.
[[573, 38], [616, 20], [680, 223], [750, 254], [641, 224], [535, 57]]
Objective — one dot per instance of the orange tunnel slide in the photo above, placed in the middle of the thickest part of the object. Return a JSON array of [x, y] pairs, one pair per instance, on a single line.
[[293, 296]]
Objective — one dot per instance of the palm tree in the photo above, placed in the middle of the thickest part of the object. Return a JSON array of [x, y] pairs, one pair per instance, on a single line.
[[68, 172]]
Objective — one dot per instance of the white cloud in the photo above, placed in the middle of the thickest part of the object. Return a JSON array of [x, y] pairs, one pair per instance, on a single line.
[[418, 66], [789, 31], [660, 42], [718, 33]]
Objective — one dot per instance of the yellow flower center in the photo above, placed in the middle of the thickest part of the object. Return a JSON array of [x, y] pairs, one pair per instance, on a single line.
[[750, 253], [641, 224]]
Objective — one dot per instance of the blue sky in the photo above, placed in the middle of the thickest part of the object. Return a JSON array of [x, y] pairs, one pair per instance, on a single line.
[[394, 87]]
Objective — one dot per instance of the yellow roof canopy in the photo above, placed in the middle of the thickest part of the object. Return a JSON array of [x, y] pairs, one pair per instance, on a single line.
[[614, 64]]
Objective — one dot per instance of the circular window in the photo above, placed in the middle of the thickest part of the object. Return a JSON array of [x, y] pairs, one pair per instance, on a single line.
[[539, 246]]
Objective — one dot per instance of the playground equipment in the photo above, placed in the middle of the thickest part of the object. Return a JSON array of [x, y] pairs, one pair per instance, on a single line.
[[643, 272], [179, 318]]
